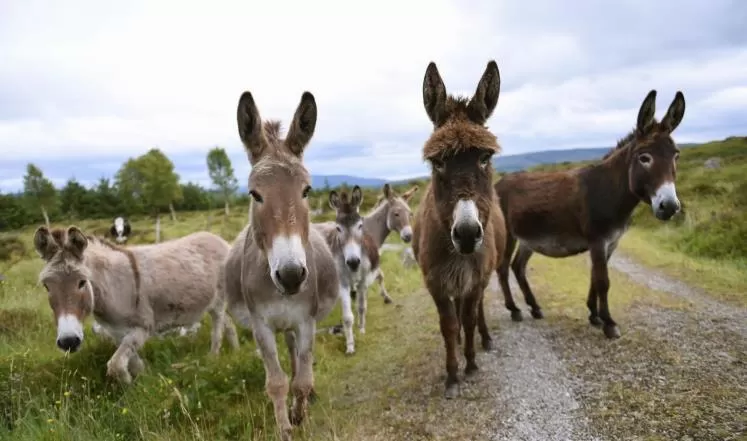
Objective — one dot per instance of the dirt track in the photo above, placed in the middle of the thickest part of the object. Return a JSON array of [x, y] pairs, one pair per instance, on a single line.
[[678, 372]]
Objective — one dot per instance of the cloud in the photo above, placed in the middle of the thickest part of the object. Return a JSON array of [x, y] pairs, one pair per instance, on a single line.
[[100, 83]]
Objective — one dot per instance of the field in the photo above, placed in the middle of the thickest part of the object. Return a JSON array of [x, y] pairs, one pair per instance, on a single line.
[[678, 291]]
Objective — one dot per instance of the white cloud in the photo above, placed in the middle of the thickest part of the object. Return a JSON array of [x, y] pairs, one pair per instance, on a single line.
[[82, 78]]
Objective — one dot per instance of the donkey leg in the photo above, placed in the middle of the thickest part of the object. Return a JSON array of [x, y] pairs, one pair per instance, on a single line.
[[303, 382], [458, 307], [519, 265], [117, 366], [362, 307], [290, 341], [135, 366], [601, 284], [591, 303], [231, 335], [276, 381], [503, 275], [469, 321], [347, 319], [382, 289], [487, 341], [218, 327], [449, 330]]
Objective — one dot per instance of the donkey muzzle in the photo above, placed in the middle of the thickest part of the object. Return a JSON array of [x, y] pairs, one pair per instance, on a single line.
[[291, 277], [70, 343], [353, 263], [406, 234], [467, 237]]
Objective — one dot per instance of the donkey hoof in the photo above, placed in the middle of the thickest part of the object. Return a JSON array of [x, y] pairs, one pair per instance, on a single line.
[[387, 300], [611, 331], [286, 434], [350, 350], [313, 396], [487, 344], [595, 321], [362, 330], [470, 372], [537, 313], [296, 416], [452, 391], [516, 315]]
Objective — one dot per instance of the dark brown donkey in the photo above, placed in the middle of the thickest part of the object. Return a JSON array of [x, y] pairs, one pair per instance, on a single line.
[[561, 214], [459, 232]]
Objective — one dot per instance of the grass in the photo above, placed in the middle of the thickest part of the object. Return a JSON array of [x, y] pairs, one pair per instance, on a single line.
[[391, 387]]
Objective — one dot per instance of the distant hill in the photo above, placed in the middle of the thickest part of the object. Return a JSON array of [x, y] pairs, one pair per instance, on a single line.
[[510, 163]]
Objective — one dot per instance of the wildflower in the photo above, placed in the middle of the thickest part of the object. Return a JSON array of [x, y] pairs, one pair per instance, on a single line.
[[50, 421], [67, 393], [124, 411]]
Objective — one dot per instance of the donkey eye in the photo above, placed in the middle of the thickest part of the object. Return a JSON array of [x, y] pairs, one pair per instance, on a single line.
[[46, 287], [676, 156], [256, 196], [485, 160], [437, 165], [306, 191], [396, 214], [339, 229], [81, 284], [645, 159]]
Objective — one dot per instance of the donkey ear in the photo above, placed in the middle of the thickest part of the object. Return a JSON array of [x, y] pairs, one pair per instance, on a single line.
[[334, 200], [388, 193], [675, 113], [356, 196], [44, 243], [250, 127], [483, 103], [76, 241], [303, 125], [408, 194], [646, 113], [434, 95]]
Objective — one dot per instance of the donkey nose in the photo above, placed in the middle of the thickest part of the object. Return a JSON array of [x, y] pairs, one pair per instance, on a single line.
[[353, 263], [406, 237], [466, 236], [291, 277], [667, 208], [69, 343]]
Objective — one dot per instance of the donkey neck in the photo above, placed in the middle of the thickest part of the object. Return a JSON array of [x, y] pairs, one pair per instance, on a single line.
[[375, 224], [113, 276], [608, 188]]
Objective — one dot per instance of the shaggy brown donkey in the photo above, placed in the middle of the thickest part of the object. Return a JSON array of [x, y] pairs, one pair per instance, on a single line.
[[459, 232], [561, 214]]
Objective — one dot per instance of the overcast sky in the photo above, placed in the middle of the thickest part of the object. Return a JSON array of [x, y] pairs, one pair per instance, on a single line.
[[86, 84]]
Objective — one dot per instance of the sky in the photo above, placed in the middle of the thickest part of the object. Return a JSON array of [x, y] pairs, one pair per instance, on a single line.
[[86, 84]]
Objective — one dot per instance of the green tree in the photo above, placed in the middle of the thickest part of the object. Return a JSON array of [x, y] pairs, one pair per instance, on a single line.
[[222, 174], [129, 186], [39, 189], [74, 200], [160, 184]]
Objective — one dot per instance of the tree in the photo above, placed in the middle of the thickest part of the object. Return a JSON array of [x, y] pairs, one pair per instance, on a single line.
[[160, 184], [39, 189], [73, 199], [222, 174], [129, 186]]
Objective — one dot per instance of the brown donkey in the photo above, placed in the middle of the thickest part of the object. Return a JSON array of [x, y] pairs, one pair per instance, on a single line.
[[459, 236], [280, 274], [561, 214], [134, 292]]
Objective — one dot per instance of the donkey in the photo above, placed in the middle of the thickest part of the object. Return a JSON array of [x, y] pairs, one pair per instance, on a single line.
[[459, 232], [561, 214], [133, 292], [120, 229], [280, 274], [391, 213], [357, 258]]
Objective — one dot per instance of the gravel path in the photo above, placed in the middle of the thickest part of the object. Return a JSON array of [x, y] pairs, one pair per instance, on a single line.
[[531, 393]]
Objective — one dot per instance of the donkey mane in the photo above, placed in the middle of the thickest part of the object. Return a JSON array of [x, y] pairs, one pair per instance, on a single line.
[[273, 129], [454, 137], [59, 235], [625, 141]]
